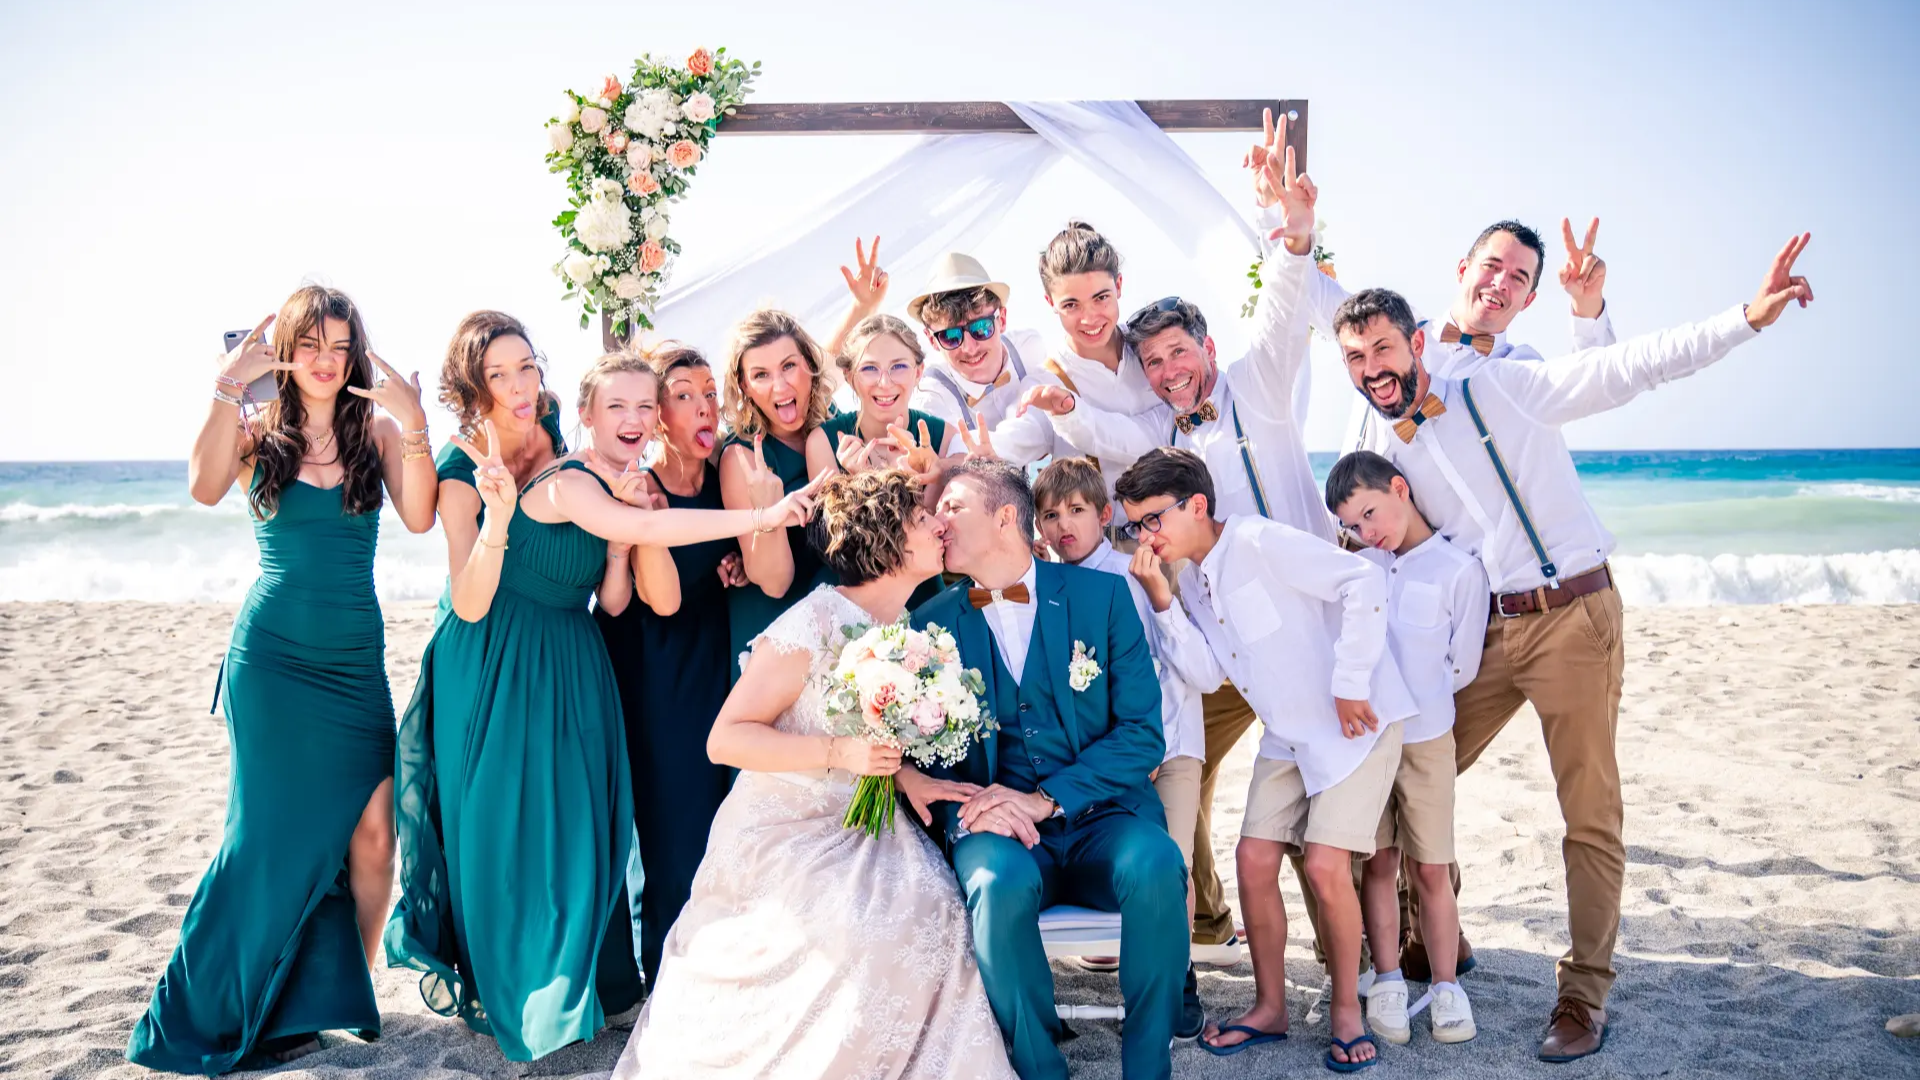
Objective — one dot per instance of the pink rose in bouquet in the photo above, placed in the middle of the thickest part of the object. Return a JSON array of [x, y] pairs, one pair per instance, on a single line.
[[700, 63]]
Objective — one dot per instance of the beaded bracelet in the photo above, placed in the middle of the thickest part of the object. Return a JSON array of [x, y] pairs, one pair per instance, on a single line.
[[230, 399]]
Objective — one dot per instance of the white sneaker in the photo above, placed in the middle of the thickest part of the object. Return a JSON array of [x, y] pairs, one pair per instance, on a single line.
[[1452, 1014], [1224, 954], [1387, 1012]]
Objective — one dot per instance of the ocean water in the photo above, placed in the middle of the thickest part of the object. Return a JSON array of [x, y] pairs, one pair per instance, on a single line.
[[1695, 527]]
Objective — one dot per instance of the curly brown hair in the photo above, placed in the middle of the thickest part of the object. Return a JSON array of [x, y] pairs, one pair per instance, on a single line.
[[764, 327], [860, 528], [463, 376]]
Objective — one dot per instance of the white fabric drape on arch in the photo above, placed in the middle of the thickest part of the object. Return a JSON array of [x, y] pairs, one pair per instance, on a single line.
[[948, 193]]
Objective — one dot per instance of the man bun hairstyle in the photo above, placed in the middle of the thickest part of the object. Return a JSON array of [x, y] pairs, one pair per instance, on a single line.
[[1003, 484], [1356, 311], [1521, 233], [1077, 249], [1362, 469], [1170, 471], [1067, 477], [861, 528]]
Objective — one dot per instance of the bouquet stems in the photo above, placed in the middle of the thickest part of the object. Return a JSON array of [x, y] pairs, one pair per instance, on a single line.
[[872, 806]]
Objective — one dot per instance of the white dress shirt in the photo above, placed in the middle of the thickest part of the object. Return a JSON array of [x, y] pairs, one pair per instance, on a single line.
[[1260, 385], [1012, 626], [1524, 405], [1123, 391], [1436, 625], [944, 393], [1185, 665], [1295, 622]]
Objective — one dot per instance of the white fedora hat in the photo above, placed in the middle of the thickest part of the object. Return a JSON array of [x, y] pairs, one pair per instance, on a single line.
[[952, 273]]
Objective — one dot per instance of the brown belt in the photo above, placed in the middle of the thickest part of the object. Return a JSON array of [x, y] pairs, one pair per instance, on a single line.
[[1514, 604]]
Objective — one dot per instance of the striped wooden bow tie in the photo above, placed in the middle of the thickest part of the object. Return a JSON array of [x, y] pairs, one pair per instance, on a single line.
[[1480, 343], [1205, 414], [1006, 376], [1015, 593], [1429, 408]]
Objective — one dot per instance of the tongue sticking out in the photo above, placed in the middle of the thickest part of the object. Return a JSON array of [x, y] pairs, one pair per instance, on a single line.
[[703, 439], [788, 413]]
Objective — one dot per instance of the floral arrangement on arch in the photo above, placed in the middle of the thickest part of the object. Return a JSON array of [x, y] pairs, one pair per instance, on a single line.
[[629, 151]]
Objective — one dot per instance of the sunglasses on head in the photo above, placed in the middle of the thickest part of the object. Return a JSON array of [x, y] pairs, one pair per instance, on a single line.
[[1164, 304], [980, 329]]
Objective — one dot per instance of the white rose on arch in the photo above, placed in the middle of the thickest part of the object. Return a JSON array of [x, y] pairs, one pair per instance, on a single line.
[[560, 136], [628, 287], [580, 267], [570, 114], [603, 225], [639, 154], [604, 188], [657, 227], [699, 107]]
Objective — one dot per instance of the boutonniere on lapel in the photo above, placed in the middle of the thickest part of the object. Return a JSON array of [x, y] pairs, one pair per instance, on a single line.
[[1082, 669]]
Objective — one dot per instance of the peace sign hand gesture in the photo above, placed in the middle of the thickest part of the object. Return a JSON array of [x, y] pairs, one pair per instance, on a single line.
[[979, 441], [868, 283], [763, 484], [491, 477], [1780, 286], [253, 357], [918, 456], [400, 397], [1275, 181], [856, 454], [631, 487], [1585, 273], [796, 508]]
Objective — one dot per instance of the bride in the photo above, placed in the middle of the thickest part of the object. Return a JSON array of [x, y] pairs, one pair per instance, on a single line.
[[808, 949]]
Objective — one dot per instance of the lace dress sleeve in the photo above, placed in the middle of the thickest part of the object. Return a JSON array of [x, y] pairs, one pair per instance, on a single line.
[[805, 627]]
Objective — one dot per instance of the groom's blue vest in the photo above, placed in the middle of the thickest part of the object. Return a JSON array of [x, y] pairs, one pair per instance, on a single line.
[[1089, 748]]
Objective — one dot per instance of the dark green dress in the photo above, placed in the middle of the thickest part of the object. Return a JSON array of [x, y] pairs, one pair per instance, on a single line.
[[452, 463], [269, 947], [672, 671], [749, 609], [848, 423], [514, 809]]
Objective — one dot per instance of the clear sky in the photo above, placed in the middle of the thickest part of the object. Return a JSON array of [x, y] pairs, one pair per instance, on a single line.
[[174, 171]]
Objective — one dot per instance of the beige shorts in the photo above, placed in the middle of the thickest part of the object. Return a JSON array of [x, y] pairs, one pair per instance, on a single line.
[[1179, 786], [1345, 816], [1419, 818]]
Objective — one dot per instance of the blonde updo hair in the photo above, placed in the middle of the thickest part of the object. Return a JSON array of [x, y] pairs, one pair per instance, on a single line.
[[872, 327], [860, 529], [604, 369], [764, 327]]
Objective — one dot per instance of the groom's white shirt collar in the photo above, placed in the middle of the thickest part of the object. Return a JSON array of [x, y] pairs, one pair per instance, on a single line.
[[1011, 625]]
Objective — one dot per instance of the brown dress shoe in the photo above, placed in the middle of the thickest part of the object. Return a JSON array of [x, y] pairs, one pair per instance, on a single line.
[[1573, 1031], [1417, 968]]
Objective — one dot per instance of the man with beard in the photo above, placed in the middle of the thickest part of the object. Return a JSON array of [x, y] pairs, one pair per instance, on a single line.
[[1492, 473]]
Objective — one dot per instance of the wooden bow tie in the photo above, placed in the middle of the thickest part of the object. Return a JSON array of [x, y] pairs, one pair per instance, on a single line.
[[1015, 593], [1429, 408], [1480, 343], [1205, 414], [974, 400]]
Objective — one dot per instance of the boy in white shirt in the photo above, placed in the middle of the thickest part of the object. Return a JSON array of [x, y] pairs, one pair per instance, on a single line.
[[1437, 612], [1072, 512], [1300, 627]]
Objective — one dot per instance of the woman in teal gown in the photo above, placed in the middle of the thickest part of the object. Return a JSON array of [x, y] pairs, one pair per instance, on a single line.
[[277, 941], [514, 805], [778, 393]]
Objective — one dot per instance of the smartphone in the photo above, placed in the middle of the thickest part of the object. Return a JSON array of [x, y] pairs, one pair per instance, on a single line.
[[262, 389]]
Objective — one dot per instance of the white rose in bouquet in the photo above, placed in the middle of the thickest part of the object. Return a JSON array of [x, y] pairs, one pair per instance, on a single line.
[[580, 267], [571, 112], [593, 120], [660, 100], [628, 287], [604, 225], [560, 136], [643, 121], [699, 107]]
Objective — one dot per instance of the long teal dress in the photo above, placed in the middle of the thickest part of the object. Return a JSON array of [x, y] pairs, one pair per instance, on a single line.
[[269, 948], [514, 808], [452, 463], [749, 609]]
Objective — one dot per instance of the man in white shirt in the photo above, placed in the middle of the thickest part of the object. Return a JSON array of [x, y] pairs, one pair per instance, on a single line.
[[978, 368], [1490, 469], [1299, 626]]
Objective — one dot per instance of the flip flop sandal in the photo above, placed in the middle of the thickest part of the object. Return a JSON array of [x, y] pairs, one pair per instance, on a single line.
[[1348, 1045], [1254, 1037]]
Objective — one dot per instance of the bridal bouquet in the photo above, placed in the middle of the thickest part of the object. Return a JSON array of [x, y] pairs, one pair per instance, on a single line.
[[903, 688], [629, 149]]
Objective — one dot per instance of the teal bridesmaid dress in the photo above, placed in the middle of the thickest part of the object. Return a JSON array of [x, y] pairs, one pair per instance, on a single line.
[[452, 463], [269, 949], [749, 609], [514, 807]]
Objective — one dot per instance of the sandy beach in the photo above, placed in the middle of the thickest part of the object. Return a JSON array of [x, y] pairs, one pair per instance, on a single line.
[[1771, 921]]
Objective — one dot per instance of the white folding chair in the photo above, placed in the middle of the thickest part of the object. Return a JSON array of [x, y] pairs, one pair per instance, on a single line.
[[1067, 930]]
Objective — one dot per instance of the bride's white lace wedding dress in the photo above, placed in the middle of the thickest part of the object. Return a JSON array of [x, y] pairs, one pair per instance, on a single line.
[[809, 950]]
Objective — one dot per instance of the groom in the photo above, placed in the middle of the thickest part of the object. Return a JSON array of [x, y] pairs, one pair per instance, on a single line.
[[1067, 814]]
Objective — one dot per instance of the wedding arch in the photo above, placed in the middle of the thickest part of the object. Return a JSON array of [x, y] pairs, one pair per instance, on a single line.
[[950, 189]]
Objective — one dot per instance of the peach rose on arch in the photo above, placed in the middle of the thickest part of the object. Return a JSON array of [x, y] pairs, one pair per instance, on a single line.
[[610, 90], [700, 63], [683, 154], [652, 257], [643, 184]]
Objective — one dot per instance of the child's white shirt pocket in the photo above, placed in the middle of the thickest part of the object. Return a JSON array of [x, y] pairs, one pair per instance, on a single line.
[[1252, 612], [1418, 605]]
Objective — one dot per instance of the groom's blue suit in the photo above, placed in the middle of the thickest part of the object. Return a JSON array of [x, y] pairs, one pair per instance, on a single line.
[[1091, 750]]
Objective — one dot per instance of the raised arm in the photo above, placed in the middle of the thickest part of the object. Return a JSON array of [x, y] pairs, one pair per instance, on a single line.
[[218, 451], [1277, 354], [1091, 430], [406, 463], [474, 553], [581, 500], [868, 284], [1594, 381], [1272, 167], [746, 482]]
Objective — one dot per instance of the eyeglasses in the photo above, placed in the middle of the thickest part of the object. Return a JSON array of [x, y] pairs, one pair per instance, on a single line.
[[980, 329], [1150, 522], [1162, 305]]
